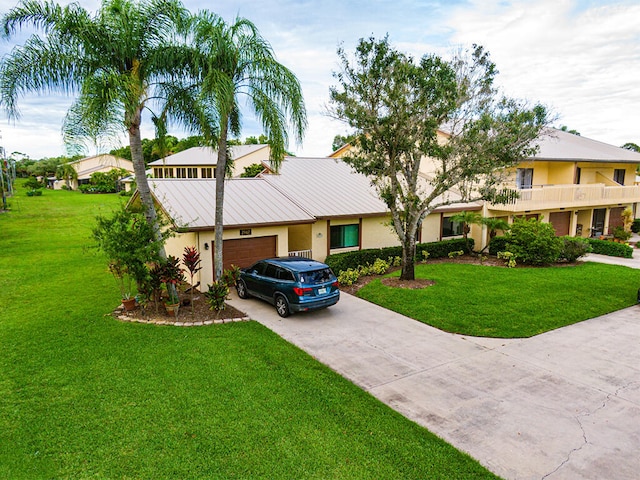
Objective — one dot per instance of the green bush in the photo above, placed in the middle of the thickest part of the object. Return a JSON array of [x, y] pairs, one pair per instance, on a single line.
[[619, 233], [498, 244], [533, 242], [32, 183], [34, 193], [613, 249], [635, 226], [348, 277], [343, 261], [216, 295], [573, 248]]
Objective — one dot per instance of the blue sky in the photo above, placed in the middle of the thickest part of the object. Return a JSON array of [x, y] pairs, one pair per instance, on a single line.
[[580, 58]]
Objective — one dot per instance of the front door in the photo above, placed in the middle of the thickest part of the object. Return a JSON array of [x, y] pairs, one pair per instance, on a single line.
[[597, 224]]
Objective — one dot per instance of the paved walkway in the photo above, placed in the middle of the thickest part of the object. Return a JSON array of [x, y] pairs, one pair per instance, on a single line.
[[562, 405]]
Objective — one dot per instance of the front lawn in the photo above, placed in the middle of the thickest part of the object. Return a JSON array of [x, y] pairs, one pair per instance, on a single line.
[[500, 302], [85, 396]]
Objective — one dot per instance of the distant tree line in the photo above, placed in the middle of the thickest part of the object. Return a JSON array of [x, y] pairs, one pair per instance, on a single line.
[[152, 149]]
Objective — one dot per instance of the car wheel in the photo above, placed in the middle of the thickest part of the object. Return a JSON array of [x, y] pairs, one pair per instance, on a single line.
[[282, 307], [241, 288]]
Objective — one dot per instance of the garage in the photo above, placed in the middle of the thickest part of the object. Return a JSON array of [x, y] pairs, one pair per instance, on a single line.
[[561, 222], [243, 252]]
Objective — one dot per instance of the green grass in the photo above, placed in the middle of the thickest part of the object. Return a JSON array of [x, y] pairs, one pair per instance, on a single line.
[[509, 303], [85, 396]]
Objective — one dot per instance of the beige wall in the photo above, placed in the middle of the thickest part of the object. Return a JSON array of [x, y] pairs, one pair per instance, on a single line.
[[259, 156], [175, 246], [377, 232]]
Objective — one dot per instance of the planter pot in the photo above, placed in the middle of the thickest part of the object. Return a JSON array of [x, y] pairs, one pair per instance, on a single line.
[[129, 304], [172, 309]]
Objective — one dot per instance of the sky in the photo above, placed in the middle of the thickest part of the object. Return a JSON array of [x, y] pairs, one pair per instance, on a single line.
[[580, 58]]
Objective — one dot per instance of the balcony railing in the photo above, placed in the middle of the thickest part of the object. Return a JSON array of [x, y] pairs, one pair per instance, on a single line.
[[541, 197]]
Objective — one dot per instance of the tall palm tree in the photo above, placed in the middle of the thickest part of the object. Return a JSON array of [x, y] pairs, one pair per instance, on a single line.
[[237, 62], [118, 62]]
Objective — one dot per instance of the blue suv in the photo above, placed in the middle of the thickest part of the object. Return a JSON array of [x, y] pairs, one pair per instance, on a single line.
[[292, 284]]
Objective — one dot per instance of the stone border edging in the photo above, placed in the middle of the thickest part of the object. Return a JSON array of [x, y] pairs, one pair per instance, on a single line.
[[218, 321]]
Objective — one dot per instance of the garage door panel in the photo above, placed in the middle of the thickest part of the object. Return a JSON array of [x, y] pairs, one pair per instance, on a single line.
[[243, 252]]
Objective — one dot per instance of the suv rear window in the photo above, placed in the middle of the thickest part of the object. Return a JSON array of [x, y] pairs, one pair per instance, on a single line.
[[316, 276]]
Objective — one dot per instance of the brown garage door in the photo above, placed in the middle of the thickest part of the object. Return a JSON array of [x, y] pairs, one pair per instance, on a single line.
[[243, 252], [560, 222]]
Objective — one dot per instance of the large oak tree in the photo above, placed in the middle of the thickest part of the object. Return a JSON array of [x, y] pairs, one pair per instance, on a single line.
[[396, 107]]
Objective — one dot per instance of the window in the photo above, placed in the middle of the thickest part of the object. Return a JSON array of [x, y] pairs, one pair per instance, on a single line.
[[181, 172], [157, 172], [192, 173], [451, 228], [618, 175], [344, 236], [206, 172], [168, 173], [524, 178]]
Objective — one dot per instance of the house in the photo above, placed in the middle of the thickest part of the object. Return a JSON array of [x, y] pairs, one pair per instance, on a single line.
[[579, 185], [85, 167], [319, 206], [200, 162], [313, 207]]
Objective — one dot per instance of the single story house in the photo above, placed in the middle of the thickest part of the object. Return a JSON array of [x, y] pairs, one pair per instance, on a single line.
[[87, 166]]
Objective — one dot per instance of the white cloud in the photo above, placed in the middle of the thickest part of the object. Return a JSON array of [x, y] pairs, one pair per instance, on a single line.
[[584, 63]]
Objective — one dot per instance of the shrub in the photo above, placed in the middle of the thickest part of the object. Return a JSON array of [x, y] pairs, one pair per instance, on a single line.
[[619, 233], [216, 295], [613, 249], [573, 248], [379, 267], [498, 244], [508, 257], [533, 242], [231, 275], [458, 253], [635, 226], [342, 261], [32, 183], [348, 277]]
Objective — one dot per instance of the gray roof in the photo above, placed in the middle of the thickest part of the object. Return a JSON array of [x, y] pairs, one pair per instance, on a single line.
[[563, 146], [207, 155], [247, 201], [327, 187]]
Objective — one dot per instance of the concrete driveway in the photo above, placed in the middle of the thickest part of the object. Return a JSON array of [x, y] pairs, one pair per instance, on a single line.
[[562, 405]]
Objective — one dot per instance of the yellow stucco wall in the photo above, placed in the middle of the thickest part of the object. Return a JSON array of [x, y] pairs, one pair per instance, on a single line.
[[377, 232]]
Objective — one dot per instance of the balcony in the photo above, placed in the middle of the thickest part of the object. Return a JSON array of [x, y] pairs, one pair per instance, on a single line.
[[546, 197]]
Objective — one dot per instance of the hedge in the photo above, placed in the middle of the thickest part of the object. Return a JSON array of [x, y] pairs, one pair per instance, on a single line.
[[613, 249], [603, 247], [342, 261]]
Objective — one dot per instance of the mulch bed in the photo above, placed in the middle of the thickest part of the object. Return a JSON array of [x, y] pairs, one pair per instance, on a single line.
[[201, 314]]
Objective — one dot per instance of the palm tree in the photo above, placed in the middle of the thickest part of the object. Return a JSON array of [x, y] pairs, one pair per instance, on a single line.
[[67, 172], [118, 62], [494, 224], [237, 62], [467, 219]]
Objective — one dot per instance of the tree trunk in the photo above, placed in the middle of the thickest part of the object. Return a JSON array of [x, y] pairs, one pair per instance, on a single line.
[[408, 258], [221, 168], [135, 142]]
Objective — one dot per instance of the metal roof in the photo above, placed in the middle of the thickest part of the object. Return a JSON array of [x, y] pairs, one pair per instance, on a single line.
[[247, 201], [563, 146], [207, 155], [326, 187]]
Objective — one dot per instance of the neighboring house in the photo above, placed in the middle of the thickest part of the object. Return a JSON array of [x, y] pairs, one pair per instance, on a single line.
[[313, 207], [579, 185], [200, 162], [85, 167]]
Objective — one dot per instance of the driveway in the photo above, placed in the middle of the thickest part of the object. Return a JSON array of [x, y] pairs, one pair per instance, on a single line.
[[562, 405]]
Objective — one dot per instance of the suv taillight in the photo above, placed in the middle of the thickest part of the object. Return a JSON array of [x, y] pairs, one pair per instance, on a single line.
[[301, 292]]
